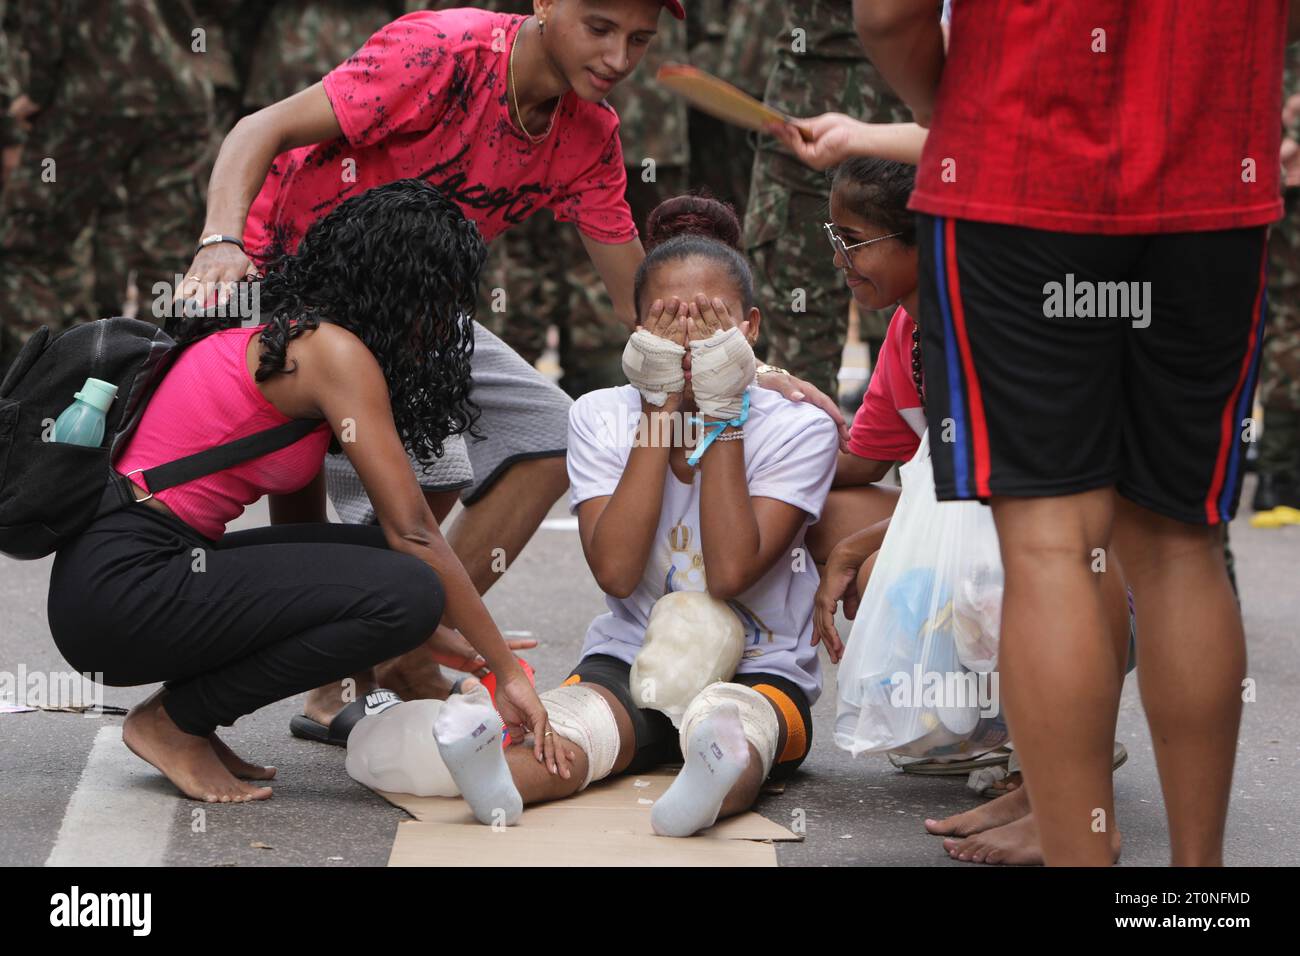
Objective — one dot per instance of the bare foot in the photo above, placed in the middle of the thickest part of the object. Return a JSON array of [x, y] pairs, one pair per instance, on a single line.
[[1015, 844], [414, 676], [188, 761], [468, 683], [238, 765], [323, 704], [417, 674], [1006, 809], [1011, 781]]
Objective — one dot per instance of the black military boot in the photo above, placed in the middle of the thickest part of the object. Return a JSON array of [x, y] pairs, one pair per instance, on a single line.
[[1265, 492]]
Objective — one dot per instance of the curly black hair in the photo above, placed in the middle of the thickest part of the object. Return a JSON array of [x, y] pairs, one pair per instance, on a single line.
[[398, 266]]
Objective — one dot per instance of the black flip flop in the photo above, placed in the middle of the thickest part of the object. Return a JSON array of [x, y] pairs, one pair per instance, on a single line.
[[341, 726]]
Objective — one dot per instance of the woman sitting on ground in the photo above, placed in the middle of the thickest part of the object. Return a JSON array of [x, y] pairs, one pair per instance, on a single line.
[[652, 523]]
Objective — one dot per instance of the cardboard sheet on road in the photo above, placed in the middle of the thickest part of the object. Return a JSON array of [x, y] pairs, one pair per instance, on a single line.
[[456, 844], [608, 824]]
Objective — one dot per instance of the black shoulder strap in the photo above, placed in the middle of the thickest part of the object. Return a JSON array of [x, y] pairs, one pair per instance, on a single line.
[[220, 457]]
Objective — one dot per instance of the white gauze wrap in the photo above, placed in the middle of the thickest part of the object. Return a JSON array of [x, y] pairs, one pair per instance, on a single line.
[[582, 715], [691, 641], [757, 716], [654, 366], [722, 367]]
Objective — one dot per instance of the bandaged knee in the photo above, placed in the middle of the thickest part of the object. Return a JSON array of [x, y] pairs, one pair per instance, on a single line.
[[691, 641], [654, 366], [757, 716], [583, 715], [722, 367]]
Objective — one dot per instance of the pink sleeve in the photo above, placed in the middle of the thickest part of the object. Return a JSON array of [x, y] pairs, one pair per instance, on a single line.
[[398, 82], [596, 200], [879, 432]]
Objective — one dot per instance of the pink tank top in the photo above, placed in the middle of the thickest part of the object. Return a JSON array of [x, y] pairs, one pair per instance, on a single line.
[[208, 397]]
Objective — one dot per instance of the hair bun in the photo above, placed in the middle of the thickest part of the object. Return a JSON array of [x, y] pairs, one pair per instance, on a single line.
[[693, 215]]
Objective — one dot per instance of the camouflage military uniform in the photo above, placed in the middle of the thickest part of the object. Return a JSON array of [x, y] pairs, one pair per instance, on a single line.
[[1279, 448], [746, 57], [805, 300], [302, 40], [738, 42], [232, 28], [712, 142], [124, 105], [539, 272], [10, 135]]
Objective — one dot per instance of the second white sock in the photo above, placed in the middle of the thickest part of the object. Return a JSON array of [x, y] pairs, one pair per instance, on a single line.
[[716, 755]]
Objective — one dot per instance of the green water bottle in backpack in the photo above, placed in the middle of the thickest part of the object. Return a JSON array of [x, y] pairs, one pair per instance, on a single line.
[[83, 422]]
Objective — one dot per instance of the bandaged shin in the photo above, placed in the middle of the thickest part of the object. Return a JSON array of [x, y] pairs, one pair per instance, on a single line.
[[654, 366], [691, 641], [757, 717], [722, 367], [583, 716]]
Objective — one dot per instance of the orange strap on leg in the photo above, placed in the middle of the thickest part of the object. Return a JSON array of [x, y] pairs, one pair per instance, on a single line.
[[796, 733]]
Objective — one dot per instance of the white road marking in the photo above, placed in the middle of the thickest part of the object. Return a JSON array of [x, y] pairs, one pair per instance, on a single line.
[[118, 815], [560, 524]]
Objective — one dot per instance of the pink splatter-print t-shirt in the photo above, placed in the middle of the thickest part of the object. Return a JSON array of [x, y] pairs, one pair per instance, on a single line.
[[426, 97]]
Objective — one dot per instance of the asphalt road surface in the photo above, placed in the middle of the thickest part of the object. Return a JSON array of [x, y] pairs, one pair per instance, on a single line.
[[72, 793]]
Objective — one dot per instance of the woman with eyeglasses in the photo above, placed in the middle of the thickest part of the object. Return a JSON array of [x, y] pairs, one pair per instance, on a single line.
[[873, 238]]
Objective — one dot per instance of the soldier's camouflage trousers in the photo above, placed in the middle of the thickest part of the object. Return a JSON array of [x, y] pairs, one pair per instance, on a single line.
[[803, 296], [125, 187], [539, 274]]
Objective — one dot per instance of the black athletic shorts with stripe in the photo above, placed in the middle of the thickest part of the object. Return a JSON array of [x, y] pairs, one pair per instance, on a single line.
[[1058, 363]]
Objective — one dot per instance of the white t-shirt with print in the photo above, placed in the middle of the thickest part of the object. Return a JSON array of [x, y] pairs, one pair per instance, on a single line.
[[790, 455]]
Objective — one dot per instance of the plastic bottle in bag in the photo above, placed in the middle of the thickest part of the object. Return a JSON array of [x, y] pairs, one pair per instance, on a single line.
[[82, 422]]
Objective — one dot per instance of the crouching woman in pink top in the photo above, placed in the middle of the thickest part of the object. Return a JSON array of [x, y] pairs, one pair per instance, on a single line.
[[368, 328]]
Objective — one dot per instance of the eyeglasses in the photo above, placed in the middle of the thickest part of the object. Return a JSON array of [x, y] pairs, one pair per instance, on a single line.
[[837, 242]]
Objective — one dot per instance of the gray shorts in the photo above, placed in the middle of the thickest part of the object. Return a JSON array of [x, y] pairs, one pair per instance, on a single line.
[[524, 415]]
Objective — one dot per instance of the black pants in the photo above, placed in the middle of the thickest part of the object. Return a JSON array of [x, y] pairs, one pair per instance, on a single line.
[[142, 597]]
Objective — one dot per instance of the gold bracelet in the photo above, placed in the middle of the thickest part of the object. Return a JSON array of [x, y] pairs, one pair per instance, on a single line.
[[764, 369]]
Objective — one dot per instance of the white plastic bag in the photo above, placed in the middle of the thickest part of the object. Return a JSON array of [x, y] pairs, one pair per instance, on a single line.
[[919, 676]]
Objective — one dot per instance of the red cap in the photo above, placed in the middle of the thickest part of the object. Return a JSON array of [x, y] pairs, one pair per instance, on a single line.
[[675, 8]]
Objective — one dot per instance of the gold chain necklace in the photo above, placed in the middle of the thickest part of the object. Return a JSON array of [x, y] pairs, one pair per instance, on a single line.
[[514, 97]]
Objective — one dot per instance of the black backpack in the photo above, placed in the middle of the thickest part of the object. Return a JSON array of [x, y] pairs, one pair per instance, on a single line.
[[51, 491]]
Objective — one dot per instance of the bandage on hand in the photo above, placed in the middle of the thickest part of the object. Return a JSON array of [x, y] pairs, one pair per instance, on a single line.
[[722, 368], [654, 365]]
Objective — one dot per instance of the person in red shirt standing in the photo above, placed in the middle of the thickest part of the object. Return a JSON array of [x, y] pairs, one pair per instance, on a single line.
[[1094, 201]]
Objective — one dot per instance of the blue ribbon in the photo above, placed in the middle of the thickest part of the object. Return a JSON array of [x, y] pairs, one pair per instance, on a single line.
[[715, 429]]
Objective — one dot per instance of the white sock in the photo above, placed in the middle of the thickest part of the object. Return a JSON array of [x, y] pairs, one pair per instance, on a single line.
[[468, 731], [717, 755]]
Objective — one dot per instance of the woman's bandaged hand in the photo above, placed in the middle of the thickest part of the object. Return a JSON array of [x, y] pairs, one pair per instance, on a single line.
[[722, 367], [654, 365]]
